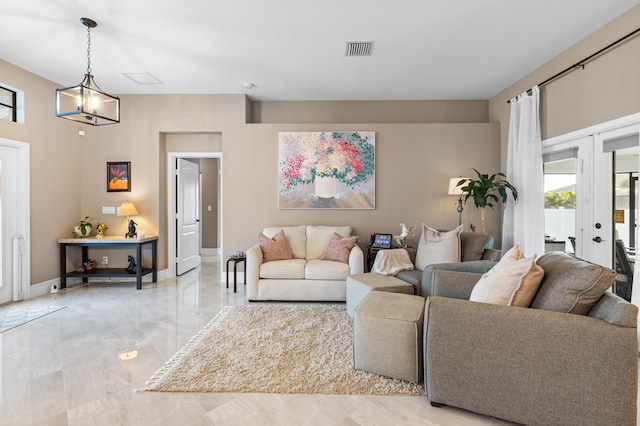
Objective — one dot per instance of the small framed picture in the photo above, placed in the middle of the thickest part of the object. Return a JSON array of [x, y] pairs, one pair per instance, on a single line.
[[119, 176]]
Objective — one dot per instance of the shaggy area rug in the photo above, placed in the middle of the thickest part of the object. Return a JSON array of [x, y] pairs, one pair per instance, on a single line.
[[270, 348]]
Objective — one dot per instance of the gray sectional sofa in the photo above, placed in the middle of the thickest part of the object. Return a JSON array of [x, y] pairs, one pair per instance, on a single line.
[[571, 358], [476, 253]]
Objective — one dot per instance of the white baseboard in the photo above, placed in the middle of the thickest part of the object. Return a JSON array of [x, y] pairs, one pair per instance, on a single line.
[[209, 251], [43, 288]]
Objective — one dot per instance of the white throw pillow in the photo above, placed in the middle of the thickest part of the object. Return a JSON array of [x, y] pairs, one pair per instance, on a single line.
[[438, 247], [514, 281]]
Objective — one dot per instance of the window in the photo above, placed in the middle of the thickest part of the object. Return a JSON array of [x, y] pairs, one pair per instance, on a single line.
[[8, 105]]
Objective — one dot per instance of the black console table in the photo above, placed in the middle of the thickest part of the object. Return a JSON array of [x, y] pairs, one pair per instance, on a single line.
[[86, 243]]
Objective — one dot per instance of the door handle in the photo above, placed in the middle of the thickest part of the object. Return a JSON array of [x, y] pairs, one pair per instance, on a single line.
[[598, 240]]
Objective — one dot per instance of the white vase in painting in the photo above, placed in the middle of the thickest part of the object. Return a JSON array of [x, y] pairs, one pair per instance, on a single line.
[[325, 186]]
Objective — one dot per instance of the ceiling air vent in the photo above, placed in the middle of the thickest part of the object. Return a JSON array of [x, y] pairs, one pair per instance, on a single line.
[[359, 48]]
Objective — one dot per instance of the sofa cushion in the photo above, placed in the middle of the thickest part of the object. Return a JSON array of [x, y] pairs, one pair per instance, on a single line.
[[318, 237], [472, 245], [275, 248], [338, 248], [317, 269], [297, 236], [512, 282], [283, 269], [438, 247], [570, 284]]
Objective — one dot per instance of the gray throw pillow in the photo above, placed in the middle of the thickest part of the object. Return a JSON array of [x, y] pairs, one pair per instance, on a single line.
[[570, 284], [473, 245]]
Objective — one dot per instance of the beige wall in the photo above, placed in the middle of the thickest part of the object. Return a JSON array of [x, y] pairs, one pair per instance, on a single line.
[[57, 155], [413, 164], [370, 112], [607, 88], [210, 235]]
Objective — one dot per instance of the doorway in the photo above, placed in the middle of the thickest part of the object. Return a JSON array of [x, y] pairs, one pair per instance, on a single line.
[[206, 206], [595, 172], [14, 221]]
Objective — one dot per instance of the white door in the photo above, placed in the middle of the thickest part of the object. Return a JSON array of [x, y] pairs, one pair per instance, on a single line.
[[603, 237], [616, 172], [14, 256], [568, 201], [187, 216]]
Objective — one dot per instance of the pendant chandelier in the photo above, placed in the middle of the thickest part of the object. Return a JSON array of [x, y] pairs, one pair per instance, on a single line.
[[86, 102]]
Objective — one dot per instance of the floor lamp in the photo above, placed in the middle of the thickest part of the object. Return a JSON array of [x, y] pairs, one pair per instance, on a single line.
[[455, 189]]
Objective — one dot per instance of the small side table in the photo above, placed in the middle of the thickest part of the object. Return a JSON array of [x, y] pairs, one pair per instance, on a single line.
[[236, 260], [373, 251]]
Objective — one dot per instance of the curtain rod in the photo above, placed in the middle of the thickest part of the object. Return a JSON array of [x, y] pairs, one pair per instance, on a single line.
[[582, 63]]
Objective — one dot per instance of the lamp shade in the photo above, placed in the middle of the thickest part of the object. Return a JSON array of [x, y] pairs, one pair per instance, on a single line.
[[454, 188], [86, 102], [127, 209]]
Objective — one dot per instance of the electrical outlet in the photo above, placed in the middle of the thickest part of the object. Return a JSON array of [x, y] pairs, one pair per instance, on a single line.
[[105, 260]]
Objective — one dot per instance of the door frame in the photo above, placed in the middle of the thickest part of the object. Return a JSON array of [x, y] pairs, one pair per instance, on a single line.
[[171, 202], [23, 215], [584, 187], [629, 124], [620, 126]]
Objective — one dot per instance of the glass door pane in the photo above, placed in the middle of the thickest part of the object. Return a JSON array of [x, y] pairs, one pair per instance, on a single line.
[[625, 218], [560, 204]]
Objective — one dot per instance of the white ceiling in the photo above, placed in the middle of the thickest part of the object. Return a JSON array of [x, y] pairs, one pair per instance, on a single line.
[[295, 49]]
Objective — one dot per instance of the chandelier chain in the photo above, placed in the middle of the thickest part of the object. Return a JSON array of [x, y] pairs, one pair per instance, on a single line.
[[88, 50]]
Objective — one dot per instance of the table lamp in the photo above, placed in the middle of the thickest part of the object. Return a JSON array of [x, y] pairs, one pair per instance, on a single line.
[[455, 189], [128, 209]]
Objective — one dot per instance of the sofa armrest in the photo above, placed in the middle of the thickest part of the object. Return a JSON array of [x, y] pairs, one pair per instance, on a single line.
[[457, 285], [615, 310], [356, 260], [524, 365], [452, 279], [252, 270]]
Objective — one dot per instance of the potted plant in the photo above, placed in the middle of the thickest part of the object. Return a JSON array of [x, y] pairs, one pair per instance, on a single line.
[[83, 228], [487, 190]]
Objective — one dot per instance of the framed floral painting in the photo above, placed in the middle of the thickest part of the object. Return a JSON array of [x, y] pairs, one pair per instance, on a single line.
[[119, 176], [326, 170]]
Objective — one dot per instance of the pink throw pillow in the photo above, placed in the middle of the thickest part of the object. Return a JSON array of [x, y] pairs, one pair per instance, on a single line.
[[339, 248], [276, 248]]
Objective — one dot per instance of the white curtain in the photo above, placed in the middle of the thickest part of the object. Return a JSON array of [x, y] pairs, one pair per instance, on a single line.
[[524, 221]]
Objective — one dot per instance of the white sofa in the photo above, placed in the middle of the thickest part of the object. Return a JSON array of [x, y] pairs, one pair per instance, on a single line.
[[305, 277]]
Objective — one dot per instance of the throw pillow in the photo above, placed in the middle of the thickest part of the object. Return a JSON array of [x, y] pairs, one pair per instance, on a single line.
[[438, 247], [514, 281], [276, 248], [473, 245], [339, 248], [570, 284]]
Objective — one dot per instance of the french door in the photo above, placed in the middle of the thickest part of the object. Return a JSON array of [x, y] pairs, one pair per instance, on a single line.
[[14, 221], [598, 167], [568, 201]]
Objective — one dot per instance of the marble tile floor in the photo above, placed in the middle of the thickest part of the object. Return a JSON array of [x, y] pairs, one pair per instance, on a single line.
[[82, 364]]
